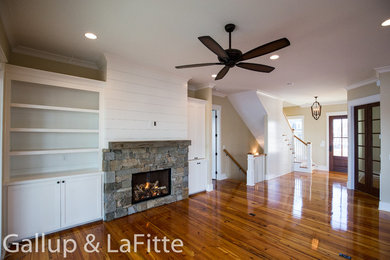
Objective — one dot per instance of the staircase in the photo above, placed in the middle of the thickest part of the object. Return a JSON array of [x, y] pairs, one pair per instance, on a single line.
[[301, 151]]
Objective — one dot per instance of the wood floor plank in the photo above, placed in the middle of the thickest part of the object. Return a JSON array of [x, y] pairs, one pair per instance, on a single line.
[[295, 216]]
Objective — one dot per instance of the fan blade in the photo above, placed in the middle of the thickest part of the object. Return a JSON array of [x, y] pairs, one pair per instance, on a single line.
[[266, 48], [214, 47], [197, 65], [222, 73], [255, 67]]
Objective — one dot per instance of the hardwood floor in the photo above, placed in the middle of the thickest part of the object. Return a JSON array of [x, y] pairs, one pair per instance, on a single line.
[[294, 216]]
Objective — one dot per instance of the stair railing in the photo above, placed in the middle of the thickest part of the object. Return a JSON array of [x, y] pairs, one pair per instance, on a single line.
[[235, 161]]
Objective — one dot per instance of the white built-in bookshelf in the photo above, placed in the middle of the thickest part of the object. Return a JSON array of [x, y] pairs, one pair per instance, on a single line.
[[52, 124]]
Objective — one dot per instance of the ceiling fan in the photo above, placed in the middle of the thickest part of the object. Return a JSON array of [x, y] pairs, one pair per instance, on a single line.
[[233, 57]]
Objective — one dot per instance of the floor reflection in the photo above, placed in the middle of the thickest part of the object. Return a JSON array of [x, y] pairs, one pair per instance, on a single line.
[[339, 217], [297, 206]]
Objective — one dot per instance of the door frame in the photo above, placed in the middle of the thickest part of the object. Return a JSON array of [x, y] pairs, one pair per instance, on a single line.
[[351, 134], [220, 176], [327, 141]]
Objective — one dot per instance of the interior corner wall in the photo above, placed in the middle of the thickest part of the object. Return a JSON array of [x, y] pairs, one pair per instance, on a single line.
[[207, 94], [136, 97], [5, 49], [236, 138], [279, 157], [385, 141], [315, 130]]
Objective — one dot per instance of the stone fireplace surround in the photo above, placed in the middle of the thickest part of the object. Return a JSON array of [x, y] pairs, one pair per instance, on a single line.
[[123, 159]]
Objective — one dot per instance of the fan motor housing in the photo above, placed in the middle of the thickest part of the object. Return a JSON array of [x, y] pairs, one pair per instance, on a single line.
[[234, 57]]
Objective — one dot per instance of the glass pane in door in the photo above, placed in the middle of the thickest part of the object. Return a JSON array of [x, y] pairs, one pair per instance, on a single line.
[[361, 114], [337, 146], [362, 177], [337, 128], [376, 112], [375, 181], [376, 126]]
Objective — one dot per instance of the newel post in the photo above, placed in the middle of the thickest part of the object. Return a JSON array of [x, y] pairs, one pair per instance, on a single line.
[[309, 156], [250, 174]]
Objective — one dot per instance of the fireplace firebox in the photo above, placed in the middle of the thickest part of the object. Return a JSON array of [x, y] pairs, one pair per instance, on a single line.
[[151, 185]]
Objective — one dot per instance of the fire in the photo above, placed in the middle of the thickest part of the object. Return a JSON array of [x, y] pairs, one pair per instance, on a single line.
[[148, 190]]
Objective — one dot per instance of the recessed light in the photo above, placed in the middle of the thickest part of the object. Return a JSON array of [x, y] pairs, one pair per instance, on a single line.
[[90, 36], [274, 57], [214, 75], [290, 84], [386, 23]]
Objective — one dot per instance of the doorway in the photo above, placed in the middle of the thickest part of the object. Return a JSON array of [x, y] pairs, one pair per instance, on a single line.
[[216, 142], [338, 143], [367, 148]]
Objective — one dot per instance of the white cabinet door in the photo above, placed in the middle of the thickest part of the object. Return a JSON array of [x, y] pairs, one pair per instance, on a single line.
[[81, 199], [33, 208], [197, 176], [196, 130]]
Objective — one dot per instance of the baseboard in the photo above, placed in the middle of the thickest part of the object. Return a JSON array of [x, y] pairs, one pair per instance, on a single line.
[[322, 168], [210, 187], [222, 176], [385, 206]]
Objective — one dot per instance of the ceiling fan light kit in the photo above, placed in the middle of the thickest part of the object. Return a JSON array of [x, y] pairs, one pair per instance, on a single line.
[[234, 57]]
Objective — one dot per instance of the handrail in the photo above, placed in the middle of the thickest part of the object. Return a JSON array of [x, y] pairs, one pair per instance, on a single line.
[[235, 161], [301, 140], [285, 117]]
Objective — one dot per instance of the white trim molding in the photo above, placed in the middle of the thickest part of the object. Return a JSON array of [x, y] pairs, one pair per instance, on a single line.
[[210, 187], [383, 69], [351, 132], [385, 206], [361, 83]]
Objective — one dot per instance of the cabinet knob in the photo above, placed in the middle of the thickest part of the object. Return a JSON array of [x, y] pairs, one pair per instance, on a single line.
[[63, 181], [198, 163], [58, 182]]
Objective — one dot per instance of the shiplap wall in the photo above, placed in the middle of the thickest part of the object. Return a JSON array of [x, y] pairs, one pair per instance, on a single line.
[[136, 97]]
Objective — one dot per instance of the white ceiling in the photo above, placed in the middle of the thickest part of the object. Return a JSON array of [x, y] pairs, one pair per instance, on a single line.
[[333, 43]]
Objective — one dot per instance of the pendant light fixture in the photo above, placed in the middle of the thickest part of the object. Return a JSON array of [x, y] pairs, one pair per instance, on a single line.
[[316, 109]]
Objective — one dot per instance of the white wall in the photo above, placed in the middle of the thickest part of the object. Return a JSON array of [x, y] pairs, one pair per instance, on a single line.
[[251, 111], [385, 141], [137, 96], [279, 157]]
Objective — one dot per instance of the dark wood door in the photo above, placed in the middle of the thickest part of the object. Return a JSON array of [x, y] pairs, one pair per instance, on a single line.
[[367, 148], [338, 143]]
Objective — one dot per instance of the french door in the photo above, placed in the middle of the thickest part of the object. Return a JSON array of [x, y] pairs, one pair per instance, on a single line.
[[338, 145], [367, 148]]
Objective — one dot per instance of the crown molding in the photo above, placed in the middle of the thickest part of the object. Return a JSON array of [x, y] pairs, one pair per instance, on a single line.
[[55, 57], [340, 102], [382, 69], [361, 83]]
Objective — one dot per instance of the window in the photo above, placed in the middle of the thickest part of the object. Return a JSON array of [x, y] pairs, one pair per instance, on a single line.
[[296, 123]]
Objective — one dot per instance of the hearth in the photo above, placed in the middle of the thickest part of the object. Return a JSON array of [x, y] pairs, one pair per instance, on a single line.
[[151, 185]]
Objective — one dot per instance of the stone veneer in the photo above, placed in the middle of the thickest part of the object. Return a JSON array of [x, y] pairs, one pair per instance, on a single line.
[[123, 159]]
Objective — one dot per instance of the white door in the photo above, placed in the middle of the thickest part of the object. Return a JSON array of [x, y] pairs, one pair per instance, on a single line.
[[196, 130], [82, 199], [33, 208]]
